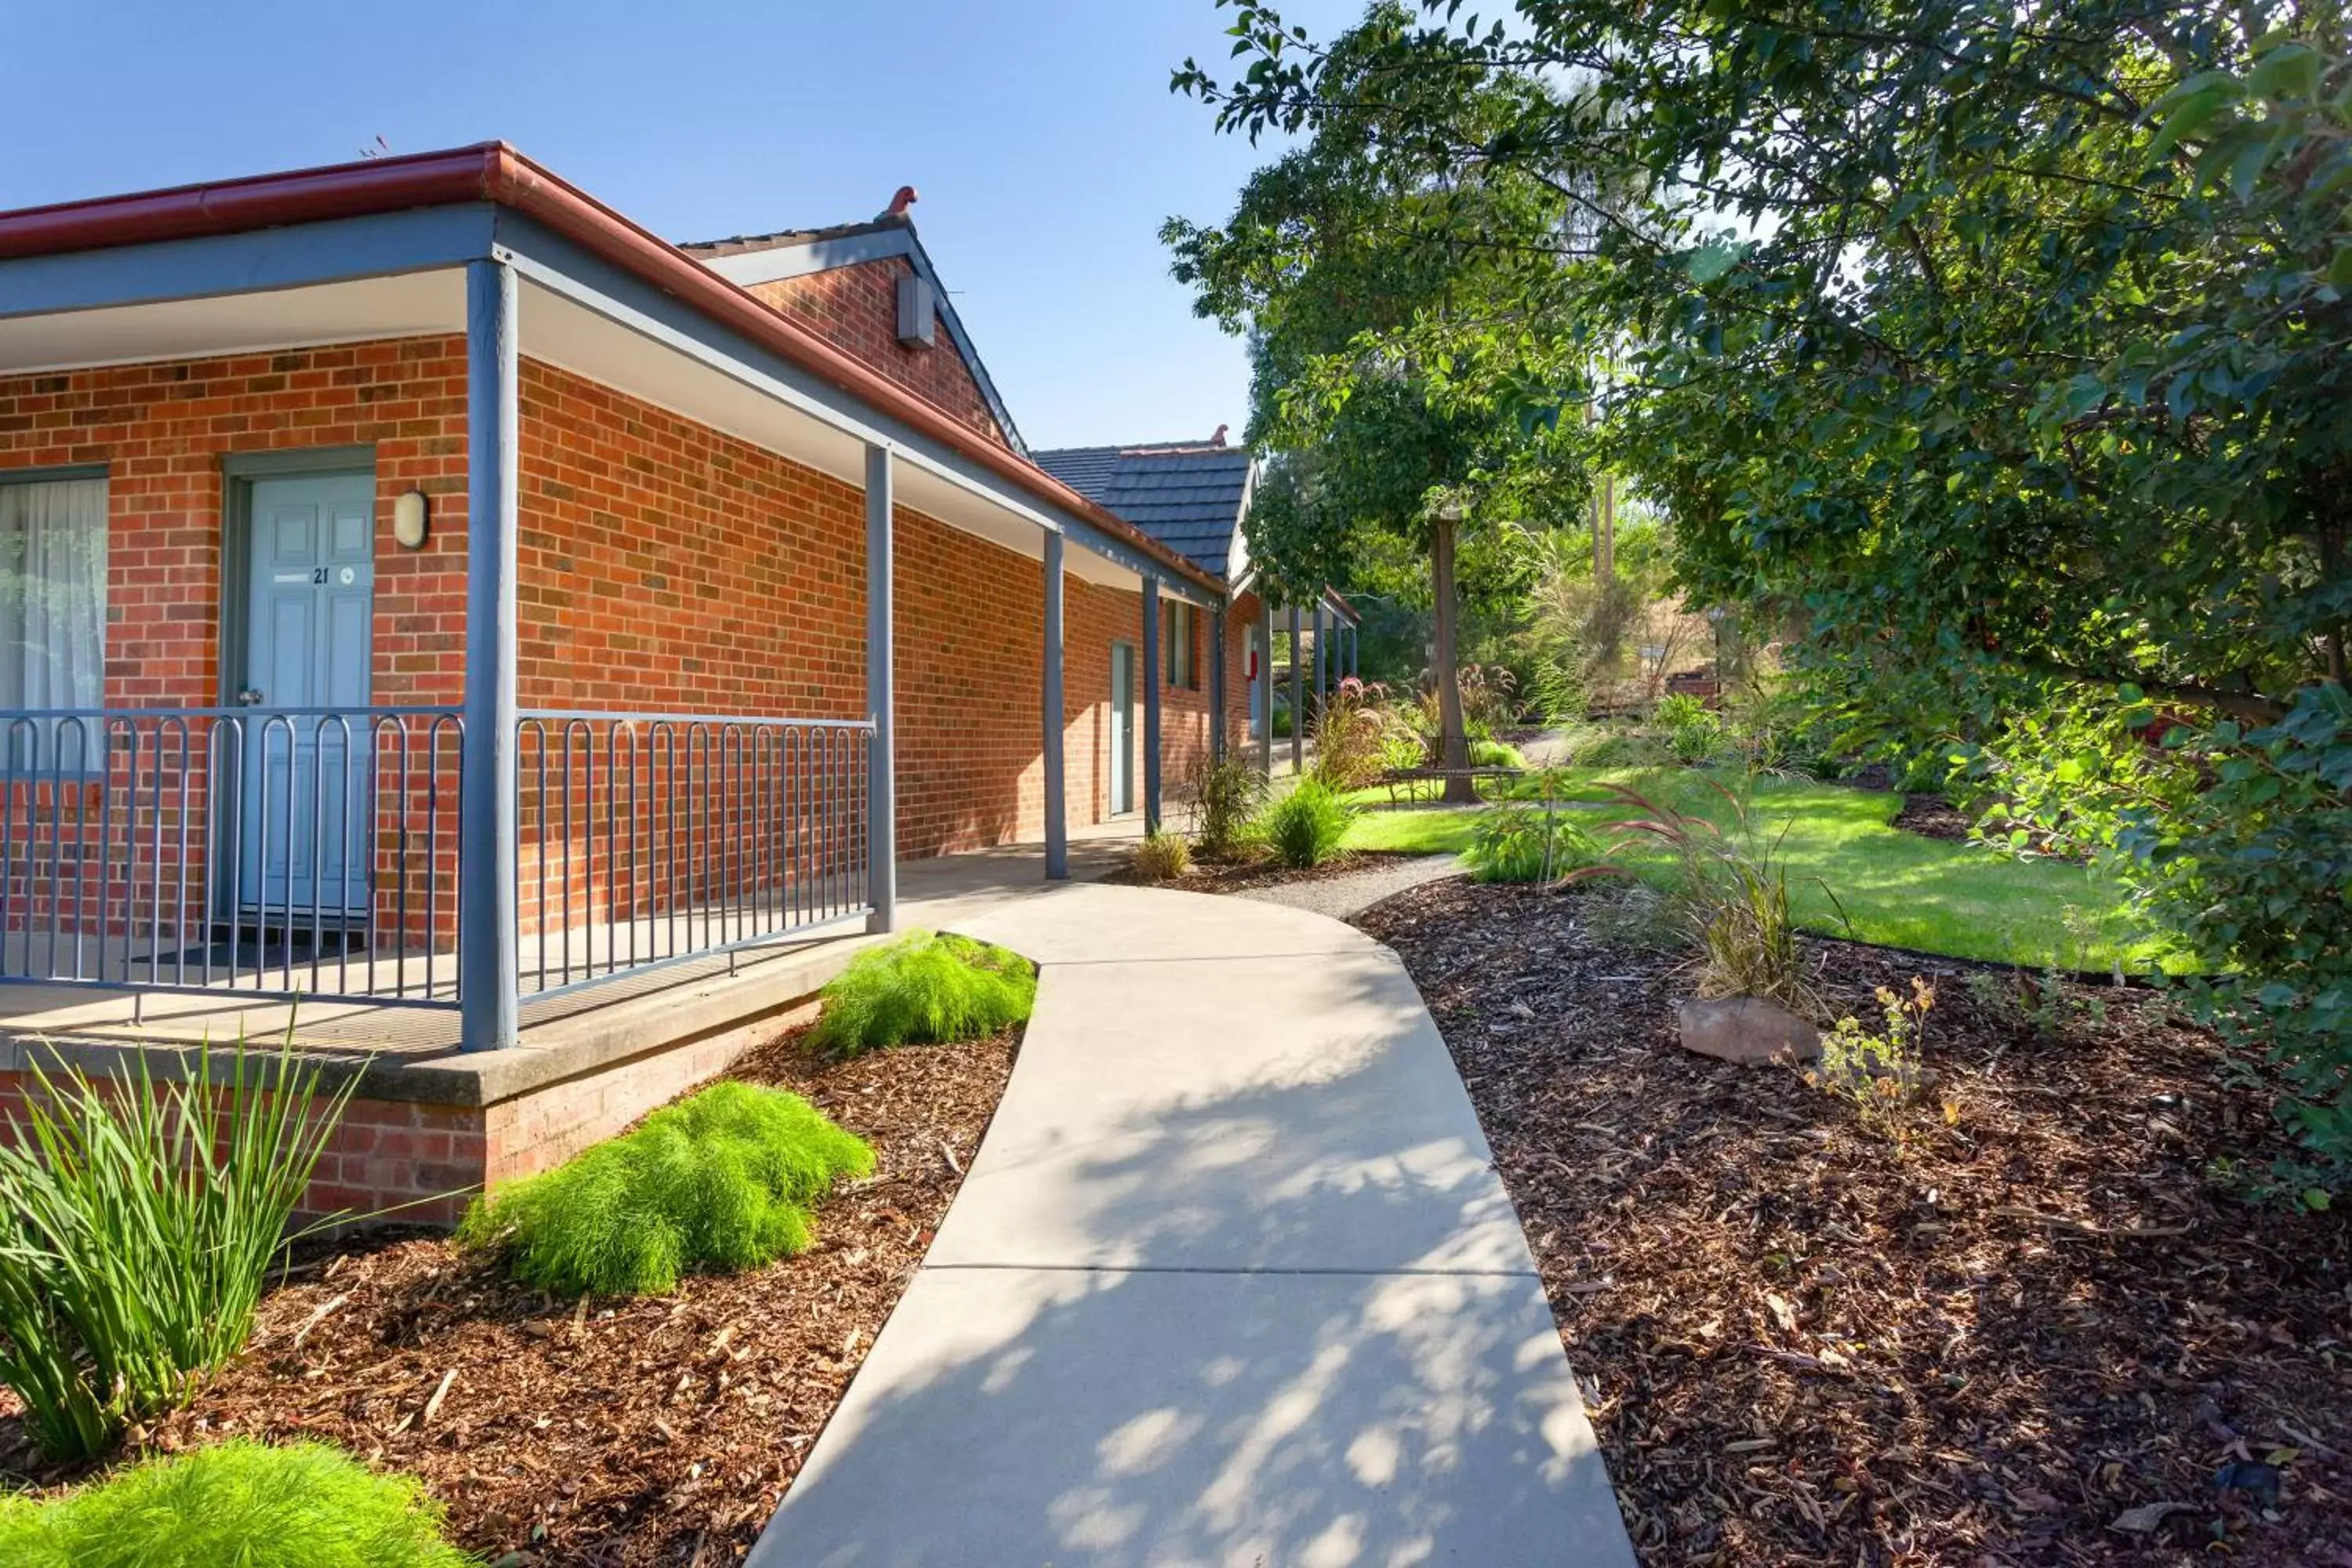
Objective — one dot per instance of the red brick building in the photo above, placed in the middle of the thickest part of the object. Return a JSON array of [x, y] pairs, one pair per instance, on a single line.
[[425, 587]]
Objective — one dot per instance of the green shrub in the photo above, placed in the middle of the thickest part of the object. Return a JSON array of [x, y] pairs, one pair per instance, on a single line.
[[239, 1502], [1495, 754], [1694, 733], [1305, 827], [1223, 795], [1401, 746], [722, 1181], [1527, 844], [1617, 749], [1878, 1074], [137, 1225], [923, 989], [1162, 856]]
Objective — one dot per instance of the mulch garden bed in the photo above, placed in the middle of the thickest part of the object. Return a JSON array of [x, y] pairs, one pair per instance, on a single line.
[[1933, 816], [610, 1432], [2040, 1333], [1235, 876]]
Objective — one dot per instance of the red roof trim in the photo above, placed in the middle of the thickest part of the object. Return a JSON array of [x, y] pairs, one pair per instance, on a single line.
[[494, 172]]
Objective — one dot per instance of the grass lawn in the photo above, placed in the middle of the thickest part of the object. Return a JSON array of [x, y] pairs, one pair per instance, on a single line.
[[1896, 889]]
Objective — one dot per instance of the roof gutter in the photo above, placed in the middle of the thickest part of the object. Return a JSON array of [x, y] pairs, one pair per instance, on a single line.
[[494, 171]]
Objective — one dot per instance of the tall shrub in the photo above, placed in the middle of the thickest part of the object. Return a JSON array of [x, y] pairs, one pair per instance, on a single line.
[[1353, 737], [138, 1221]]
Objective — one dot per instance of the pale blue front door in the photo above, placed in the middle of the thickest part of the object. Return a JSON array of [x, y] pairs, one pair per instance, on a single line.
[[1122, 727], [311, 607]]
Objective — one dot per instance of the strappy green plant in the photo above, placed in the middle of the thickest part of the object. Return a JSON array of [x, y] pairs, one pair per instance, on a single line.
[[138, 1222]]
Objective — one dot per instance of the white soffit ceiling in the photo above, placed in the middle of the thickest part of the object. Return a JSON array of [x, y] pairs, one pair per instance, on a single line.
[[414, 304]]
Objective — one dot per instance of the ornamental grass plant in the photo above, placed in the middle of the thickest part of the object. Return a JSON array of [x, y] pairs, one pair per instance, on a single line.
[[1223, 795], [138, 1221], [1164, 856], [925, 988], [237, 1504], [725, 1180], [1307, 826]]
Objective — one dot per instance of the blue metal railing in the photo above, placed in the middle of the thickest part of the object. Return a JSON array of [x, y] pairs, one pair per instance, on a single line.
[[278, 851], [651, 839], [290, 853]]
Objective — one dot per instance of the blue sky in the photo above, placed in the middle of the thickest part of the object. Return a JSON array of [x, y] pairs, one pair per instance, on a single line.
[[1040, 132]]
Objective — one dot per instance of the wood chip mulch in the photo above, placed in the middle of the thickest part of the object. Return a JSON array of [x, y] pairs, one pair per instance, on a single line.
[[615, 1432], [1933, 816], [2045, 1333], [1235, 876]]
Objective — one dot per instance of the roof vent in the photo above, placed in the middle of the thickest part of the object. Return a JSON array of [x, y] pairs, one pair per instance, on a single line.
[[918, 313]]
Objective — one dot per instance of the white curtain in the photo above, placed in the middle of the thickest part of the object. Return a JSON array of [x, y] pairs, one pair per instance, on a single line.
[[53, 599]]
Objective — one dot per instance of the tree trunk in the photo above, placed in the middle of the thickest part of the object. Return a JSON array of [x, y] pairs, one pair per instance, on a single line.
[[1605, 569], [1453, 743], [1604, 533]]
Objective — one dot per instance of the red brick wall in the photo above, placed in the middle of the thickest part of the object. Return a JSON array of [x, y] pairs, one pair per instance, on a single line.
[[163, 430], [663, 566], [667, 565], [423, 1160], [856, 309]]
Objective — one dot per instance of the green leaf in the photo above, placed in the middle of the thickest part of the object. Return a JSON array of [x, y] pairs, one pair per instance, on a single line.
[[2290, 70], [2189, 117], [1709, 263], [2317, 1199]]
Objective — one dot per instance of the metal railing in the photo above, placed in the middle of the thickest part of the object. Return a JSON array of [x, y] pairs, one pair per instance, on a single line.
[[650, 839], [280, 851], [294, 853]]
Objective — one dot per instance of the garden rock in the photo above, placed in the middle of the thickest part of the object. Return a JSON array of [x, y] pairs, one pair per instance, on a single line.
[[1747, 1030]]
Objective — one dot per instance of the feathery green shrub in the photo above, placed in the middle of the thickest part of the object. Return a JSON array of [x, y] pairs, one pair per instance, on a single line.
[[722, 1181], [925, 988], [1306, 827], [239, 1502], [138, 1221], [1497, 754]]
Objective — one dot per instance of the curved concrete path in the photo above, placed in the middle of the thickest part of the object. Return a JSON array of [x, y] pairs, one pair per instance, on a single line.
[[1231, 1282]]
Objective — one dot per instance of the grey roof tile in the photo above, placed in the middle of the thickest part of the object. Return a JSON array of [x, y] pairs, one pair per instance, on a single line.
[[1187, 496]]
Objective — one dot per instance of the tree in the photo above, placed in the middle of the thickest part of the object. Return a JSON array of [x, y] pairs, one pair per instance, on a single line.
[[1411, 408], [2009, 344]]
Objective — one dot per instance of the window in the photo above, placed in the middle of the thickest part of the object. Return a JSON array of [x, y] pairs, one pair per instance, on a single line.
[[1176, 642], [53, 605]]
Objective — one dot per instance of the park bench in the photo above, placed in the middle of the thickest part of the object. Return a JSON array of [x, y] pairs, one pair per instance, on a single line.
[[1410, 779]]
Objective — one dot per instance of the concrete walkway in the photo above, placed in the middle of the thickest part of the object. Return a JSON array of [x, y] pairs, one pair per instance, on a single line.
[[1231, 1282], [1350, 894]]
